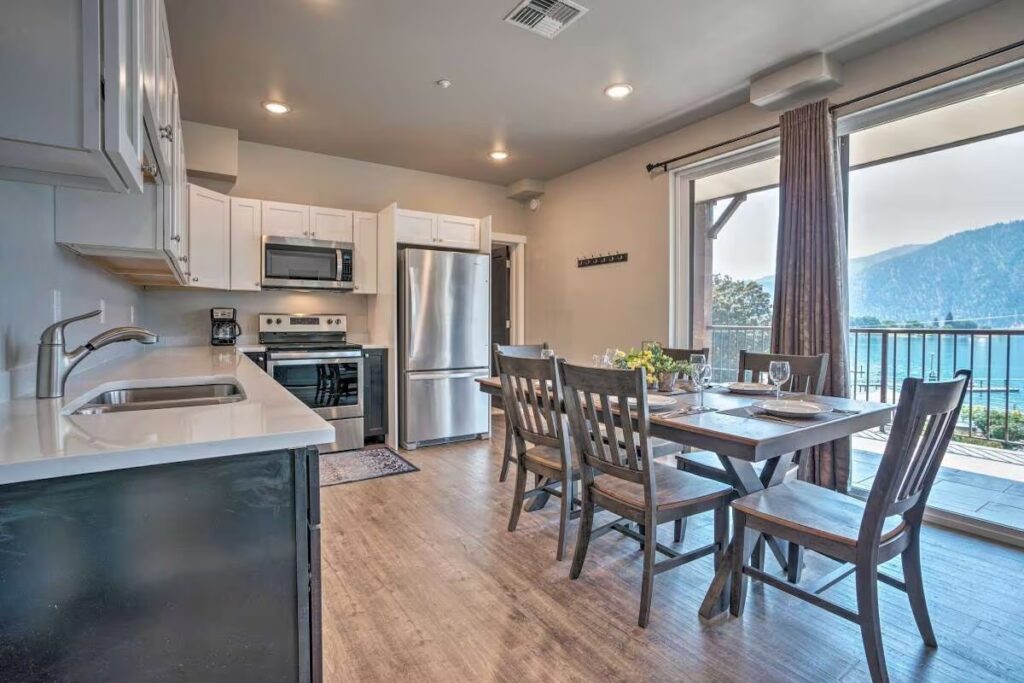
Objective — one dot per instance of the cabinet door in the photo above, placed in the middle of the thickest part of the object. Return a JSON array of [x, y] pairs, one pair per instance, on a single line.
[[209, 221], [122, 99], [365, 253], [334, 225], [458, 232], [415, 227], [166, 91], [375, 392], [285, 220], [246, 234]]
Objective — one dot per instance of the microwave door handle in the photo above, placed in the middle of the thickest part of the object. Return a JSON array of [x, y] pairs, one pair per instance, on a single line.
[[339, 264]]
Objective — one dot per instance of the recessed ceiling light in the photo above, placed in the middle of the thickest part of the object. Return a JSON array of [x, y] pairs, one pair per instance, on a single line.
[[617, 91], [277, 107], [499, 155], [443, 83]]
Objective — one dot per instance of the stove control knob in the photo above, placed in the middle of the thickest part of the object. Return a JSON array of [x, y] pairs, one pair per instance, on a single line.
[[270, 321], [330, 321], [337, 320], [278, 321]]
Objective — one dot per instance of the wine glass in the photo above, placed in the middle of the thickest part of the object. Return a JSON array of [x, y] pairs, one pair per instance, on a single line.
[[778, 372], [701, 373]]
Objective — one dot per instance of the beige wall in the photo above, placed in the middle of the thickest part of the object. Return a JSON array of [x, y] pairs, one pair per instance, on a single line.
[[288, 175], [32, 268], [614, 205]]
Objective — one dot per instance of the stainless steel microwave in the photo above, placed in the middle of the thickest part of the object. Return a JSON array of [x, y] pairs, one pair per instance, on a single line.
[[297, 263]]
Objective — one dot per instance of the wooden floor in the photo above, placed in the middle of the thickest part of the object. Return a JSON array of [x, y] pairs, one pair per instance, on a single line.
[[422, 582]]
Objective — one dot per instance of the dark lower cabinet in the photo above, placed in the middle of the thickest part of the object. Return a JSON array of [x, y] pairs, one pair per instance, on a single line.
[[375, 394], [197, 571]]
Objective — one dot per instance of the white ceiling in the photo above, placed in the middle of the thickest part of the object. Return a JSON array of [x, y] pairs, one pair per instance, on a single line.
[[360, 74]]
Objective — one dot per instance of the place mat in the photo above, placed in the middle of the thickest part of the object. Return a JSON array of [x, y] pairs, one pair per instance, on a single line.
[[758, 414], [370, 463]]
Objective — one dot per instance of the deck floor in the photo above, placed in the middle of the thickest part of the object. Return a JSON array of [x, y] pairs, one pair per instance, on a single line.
[[970, 485], [422, 582]]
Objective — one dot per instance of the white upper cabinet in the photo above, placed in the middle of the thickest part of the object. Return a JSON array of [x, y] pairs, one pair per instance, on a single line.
[[365, 252], [246, 243], [71, 78], [436, 230], [209, 220], [334, 225], [457, 232], [285, 220], [415, 227]]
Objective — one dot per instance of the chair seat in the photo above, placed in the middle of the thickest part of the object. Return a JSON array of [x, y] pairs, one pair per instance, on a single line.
[[548, 457], [813, 510], [674, 488]]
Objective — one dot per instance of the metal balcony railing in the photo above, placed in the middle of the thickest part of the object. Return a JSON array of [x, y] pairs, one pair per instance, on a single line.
[[881, 358]]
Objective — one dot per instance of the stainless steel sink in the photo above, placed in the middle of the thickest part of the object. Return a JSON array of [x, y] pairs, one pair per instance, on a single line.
[[152, 398]]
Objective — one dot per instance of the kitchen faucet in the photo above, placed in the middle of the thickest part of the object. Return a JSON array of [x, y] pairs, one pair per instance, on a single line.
[[55, 363]]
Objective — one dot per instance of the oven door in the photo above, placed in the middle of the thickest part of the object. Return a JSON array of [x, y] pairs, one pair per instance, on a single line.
[[328, 382], [295, 263]]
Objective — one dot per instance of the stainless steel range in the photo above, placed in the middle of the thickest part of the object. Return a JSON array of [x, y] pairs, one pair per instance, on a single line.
[[310, 356]]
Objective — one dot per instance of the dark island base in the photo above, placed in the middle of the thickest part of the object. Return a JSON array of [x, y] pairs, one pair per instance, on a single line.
[[194, 571]]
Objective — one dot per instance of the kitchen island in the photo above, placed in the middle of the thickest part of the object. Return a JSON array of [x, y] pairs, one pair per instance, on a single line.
[[174, 543]]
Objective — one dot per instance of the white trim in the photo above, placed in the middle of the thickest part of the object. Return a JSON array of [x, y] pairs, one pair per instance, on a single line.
[[964, 88], [517, 288]]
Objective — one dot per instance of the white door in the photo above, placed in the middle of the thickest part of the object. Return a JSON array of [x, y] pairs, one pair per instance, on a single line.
[[415, 227], [285, 220], [334, 225], [209, 218], [246, 234], [458, 232], [365, 253]]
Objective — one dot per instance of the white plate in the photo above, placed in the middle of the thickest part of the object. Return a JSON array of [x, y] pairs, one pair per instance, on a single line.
[[654, 402], [794, 408], [753, 388]]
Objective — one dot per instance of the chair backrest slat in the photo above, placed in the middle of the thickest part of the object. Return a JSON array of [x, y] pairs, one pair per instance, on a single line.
[[925, 420], [807, 373], [532, 394], [589, 390]]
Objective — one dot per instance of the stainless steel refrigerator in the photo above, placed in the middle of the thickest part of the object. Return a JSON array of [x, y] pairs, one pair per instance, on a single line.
[[443, 345]]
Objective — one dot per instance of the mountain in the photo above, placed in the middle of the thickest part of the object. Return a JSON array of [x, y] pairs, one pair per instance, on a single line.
[[973, 274]]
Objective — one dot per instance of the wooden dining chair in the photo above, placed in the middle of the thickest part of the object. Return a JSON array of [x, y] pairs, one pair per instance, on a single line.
[[807, 374], [864, 535], [533, 403], [627, 481], [684, 354], [516, 351]]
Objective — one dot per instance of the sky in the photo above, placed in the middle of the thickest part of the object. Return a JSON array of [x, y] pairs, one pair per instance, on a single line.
[[912, 201]]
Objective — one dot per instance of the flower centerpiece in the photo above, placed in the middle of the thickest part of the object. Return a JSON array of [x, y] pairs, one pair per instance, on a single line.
[[662, 369]]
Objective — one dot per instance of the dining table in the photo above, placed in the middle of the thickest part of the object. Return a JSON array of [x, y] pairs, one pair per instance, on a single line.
[[754, 447]]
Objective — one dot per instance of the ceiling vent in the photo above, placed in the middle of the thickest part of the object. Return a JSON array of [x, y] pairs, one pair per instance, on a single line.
[[546, 18]]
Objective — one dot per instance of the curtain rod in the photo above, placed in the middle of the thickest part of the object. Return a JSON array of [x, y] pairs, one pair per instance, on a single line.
[[860, 98]]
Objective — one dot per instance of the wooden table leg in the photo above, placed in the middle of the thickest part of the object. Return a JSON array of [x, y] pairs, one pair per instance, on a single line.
[[746, 481]]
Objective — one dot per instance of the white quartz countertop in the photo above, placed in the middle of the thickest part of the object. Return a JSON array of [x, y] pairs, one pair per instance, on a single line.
[[40, 439]]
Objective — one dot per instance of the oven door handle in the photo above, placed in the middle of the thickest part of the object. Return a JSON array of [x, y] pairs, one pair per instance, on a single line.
[[318, 355], [311, 361]]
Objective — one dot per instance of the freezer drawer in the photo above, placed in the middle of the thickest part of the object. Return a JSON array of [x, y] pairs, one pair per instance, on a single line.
[[442, 406]]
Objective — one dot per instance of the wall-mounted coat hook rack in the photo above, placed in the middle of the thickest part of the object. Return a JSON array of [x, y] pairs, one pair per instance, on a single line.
[[602, 259]]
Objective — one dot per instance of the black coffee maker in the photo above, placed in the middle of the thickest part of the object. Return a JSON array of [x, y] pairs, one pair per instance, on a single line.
[[224, 329]]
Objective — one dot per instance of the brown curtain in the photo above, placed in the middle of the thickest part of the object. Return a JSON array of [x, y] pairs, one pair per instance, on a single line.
[[810, 315]]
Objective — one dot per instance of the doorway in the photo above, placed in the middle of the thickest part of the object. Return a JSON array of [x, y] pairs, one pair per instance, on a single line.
[[501, 308]]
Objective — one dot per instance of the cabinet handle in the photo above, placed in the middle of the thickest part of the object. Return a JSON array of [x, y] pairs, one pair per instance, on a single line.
[[355, 286], [176, 238], [183, 259], [167, 132], [195, 279], [149, 169]]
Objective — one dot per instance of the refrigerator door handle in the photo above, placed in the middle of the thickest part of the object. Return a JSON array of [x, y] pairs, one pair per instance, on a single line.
[[417, 376]]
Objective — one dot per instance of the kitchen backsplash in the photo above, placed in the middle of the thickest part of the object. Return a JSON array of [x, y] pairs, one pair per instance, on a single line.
[[182, 317]]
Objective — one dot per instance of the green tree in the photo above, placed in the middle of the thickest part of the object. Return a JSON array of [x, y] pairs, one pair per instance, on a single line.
[[739, 302]]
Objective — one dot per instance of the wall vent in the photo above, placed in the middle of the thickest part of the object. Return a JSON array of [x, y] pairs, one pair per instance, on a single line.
[[546, 18]]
